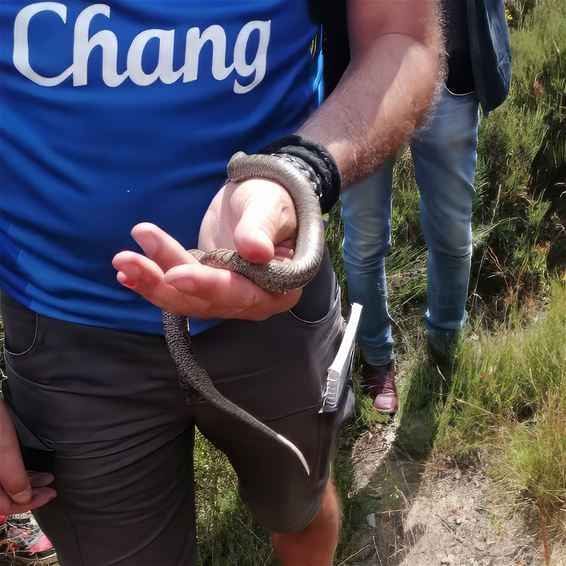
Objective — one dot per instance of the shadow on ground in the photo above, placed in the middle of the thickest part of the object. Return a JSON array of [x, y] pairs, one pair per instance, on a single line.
[[375, 512]]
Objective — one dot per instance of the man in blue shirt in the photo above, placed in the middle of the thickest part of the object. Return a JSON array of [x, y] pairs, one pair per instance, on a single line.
[[125, 114]]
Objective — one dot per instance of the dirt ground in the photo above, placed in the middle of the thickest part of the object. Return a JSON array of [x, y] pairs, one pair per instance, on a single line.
[[412, 515]]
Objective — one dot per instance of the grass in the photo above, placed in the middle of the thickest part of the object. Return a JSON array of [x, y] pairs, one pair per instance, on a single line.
[[226, 531], [507, 403]]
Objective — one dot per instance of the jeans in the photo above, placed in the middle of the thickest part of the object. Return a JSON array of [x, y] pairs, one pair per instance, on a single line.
[[444, 156]]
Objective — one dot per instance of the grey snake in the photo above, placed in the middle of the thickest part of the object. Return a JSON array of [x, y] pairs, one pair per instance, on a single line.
[[275, 277]]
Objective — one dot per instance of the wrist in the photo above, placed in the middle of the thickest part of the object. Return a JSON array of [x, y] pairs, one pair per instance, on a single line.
[[313, 161]]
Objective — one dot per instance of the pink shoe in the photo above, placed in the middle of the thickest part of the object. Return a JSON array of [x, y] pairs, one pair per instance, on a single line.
[[22, 542]]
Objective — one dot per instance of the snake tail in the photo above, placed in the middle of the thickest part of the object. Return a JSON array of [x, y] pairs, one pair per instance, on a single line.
[[193, 378]]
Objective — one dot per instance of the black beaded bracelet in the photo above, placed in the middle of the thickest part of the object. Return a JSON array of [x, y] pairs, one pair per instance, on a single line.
[[314, 161]]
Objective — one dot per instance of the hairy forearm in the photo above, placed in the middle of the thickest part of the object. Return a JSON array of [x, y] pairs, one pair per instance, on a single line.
[[383, 97]]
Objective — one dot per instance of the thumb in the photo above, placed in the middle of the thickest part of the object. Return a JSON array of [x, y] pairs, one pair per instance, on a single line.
[[267, 219], [254, 239]]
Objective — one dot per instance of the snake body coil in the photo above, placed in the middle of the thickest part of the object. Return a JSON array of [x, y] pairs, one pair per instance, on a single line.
[[275, 276]]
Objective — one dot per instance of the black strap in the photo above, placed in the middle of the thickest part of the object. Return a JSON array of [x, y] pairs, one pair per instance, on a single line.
[[315, 161]]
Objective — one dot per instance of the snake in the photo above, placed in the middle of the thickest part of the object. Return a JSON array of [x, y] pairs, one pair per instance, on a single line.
[[274, 276]]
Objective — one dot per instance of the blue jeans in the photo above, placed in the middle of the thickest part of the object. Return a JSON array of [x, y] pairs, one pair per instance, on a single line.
[[444, 156]]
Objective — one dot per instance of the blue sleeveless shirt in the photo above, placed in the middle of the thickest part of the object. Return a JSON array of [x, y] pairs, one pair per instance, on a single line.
[[126, 111]]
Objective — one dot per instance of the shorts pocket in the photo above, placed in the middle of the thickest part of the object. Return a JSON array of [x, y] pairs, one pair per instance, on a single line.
[[20, 327], [335, 306], [317, 301]]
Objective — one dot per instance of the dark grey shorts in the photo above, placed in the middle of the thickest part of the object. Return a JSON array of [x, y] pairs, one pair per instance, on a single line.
[[102, 409]]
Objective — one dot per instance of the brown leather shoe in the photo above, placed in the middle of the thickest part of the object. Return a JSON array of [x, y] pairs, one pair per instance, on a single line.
[[379, 382]]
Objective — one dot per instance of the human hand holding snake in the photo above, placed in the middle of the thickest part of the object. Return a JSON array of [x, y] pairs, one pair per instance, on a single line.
[[254, 217], [273, 276]]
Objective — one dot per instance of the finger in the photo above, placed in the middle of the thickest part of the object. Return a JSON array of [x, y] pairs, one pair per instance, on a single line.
[[267, 218], [230, 295], [283, 253], [134, 269], [253, 243], [39, 497], [159, 246], [13, 477], [40, 479], [145, 277]]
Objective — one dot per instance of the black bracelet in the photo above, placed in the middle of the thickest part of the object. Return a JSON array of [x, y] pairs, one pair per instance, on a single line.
[[314, 160]]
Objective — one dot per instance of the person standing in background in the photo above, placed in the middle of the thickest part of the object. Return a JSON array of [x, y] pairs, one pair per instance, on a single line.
[[444, 157]]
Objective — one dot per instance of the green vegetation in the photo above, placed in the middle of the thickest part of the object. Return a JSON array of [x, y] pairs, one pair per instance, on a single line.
[[226, 531], [507, 404]]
